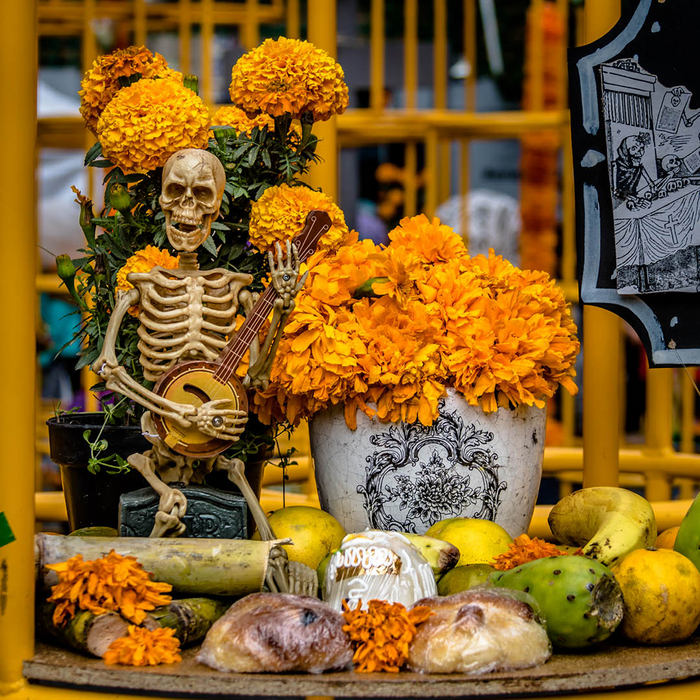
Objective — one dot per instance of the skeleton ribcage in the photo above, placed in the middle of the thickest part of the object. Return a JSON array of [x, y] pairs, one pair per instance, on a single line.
[[184, 319]]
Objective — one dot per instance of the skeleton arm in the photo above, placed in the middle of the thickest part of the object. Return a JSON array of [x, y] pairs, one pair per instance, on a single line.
[[116, 378], [285, 280]]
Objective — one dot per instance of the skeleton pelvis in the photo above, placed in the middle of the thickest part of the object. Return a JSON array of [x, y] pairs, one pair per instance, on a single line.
[[193, 383]]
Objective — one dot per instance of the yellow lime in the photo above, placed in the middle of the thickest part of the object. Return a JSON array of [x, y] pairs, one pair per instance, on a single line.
[[314, 533], [661, 590], [478, 541], [462, 578]]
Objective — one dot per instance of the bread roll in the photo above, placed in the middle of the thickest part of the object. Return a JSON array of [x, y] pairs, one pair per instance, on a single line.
[[478, 631], [276, 632]]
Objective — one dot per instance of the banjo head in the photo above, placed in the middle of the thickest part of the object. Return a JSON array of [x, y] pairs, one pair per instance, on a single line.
[[194, 383]]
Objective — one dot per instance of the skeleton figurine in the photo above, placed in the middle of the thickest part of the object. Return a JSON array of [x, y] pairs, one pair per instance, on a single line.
[[187, 314]]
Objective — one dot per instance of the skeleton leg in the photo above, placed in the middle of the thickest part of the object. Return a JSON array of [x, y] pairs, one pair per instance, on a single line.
[[283, 576], [173, 504]]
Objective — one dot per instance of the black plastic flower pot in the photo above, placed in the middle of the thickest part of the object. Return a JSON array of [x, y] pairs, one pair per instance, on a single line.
[[93, 499]]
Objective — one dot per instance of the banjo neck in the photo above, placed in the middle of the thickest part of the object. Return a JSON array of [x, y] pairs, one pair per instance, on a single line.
[[317, 223]]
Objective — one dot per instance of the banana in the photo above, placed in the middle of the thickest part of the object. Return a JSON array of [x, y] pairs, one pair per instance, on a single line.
[[608, 522], [441, 555]]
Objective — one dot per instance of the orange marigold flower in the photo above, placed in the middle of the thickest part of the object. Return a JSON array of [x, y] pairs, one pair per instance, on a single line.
[[522, 550], [101, 82], [144, 261], [148, 121], [281, 212], [288, 76], [229, 115], [382, 633], [144, 647], [114, 583], [387, 329]]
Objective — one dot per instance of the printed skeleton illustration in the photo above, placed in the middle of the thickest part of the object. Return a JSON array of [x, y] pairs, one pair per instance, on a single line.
[[654, 167], [187, 314]]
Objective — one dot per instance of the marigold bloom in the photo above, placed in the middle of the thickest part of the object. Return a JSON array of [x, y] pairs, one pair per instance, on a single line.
[[229, 115], [522, 550], [101, 82], [144, 647], [110, 584], [144, 261], [382, 634], [288, 76], [281, 212], [148, 121], [435, 318]]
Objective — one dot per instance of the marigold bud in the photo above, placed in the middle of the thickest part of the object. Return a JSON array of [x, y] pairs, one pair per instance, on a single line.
[[191, 82], [120, 198], [65, 267]]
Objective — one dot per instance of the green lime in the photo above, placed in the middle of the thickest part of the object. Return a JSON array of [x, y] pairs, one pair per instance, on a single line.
[[463, 578]]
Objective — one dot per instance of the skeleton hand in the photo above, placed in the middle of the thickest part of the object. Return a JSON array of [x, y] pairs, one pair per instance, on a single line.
[[173, 502], [223, 423], [284, 276]]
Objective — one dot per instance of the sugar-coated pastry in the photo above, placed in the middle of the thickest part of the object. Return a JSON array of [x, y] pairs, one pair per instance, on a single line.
[[479, 631], [276, 632], [377, 565]]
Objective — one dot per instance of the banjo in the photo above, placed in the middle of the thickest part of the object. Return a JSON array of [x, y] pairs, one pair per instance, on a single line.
[[197, 382]]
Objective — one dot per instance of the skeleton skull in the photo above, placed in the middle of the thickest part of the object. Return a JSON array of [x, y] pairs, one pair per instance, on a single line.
[[193, 185], [670, 164]]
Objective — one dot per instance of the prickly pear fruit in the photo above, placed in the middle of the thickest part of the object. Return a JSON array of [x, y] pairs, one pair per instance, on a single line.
[[580, 597]]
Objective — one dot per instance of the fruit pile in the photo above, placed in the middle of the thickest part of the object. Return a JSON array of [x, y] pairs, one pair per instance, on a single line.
[[603, 573]]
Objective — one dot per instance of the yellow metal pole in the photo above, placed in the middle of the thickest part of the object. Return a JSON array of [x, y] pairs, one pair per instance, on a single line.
[[410, 185], [251, 28], [440, 91], [601, 344], [470, 53], [410, 49], [376, 56], [688, 397], [18, 52], [185, 35], [206, 89], [140, 32], [658, 429], [431, 168], [322, 25], [293, 20]]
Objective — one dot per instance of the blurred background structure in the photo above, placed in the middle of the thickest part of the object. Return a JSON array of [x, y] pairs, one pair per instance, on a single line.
[[458, 108]]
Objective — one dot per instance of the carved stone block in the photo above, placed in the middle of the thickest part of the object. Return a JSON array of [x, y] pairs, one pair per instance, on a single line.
[[210, 513]]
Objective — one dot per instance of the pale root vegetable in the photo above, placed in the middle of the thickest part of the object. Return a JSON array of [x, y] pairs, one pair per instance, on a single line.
[[191, 565]]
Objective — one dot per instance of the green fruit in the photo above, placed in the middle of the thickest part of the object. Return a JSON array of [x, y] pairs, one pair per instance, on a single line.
[[579, 597], [688, 538], [95, 531], [321, 570], [463, 578]]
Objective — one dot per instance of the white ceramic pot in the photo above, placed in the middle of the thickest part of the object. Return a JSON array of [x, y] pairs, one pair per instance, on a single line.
[[405, 477]]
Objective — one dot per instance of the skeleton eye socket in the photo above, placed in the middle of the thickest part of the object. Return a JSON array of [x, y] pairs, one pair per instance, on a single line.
[[204, 194], [174, 190]]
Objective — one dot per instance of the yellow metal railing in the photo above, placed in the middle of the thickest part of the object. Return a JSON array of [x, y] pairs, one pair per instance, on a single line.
[[435, 129]]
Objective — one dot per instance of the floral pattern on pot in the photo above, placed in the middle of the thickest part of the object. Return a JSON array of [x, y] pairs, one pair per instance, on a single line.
[[406, 476], [441, 488]]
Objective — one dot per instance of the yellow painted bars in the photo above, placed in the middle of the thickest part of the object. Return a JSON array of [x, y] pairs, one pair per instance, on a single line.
[[601, 342], [18, 54], [323, 33]]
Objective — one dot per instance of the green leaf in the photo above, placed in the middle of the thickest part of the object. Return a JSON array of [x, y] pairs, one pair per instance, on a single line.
[[94, 152], [218, 226], [104, 163], [209, 246]]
